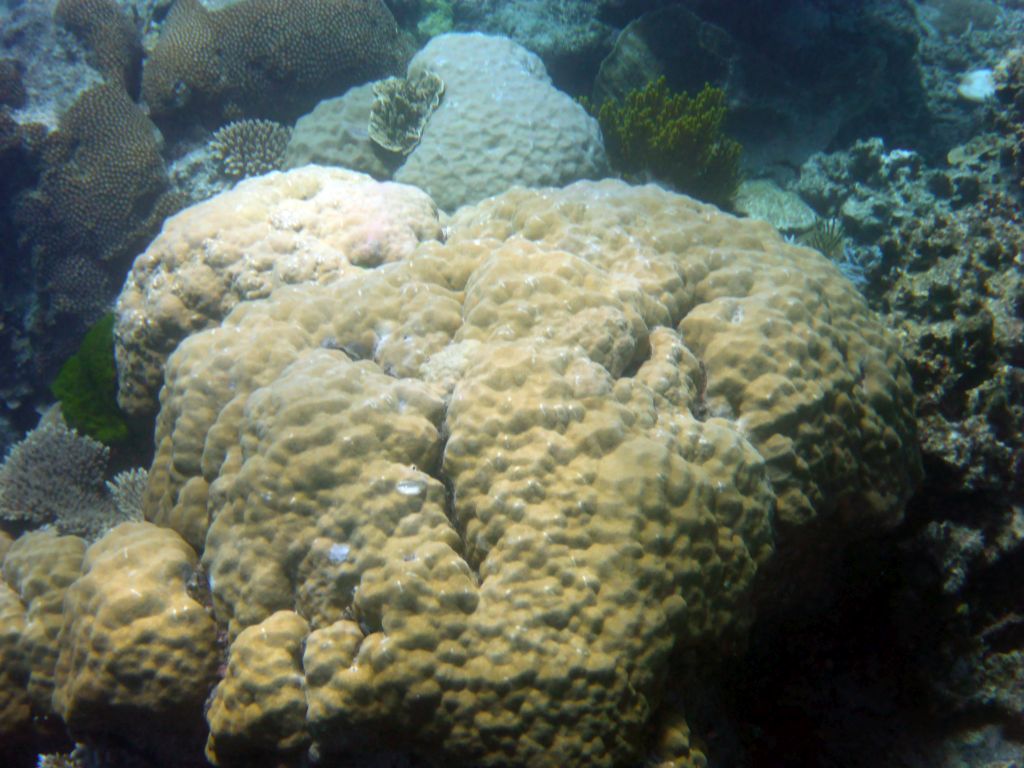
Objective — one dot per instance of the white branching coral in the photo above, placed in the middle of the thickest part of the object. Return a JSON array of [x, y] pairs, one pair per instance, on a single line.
[[55, 476], [29, 490], [127, 490]]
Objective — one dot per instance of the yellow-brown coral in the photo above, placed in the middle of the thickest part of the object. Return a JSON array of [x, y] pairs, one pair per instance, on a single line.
[[505, 477], [137, 653]]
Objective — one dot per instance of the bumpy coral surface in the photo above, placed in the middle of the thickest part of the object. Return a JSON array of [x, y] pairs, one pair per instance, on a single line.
[[134, 645], [39, 567], [261, 705], [266, 58], [15, 709], [307, 226], [505, 478], [490, 132]]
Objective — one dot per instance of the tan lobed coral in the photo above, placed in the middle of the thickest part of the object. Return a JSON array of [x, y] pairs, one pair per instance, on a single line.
[[311, 225], [15, 708], [39, 567], [260, 707], [505, 477], [134, 645]]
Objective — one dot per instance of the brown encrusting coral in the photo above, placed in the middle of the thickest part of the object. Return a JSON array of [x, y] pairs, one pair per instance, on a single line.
[[265, 58], [109, 36]]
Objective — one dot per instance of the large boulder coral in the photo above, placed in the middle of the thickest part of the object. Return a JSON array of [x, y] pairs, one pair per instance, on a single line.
[[510, 477], [486, 134], [510, 127]]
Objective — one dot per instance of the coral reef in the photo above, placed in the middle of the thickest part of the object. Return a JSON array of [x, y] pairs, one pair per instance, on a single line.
[[782, 208], [250, 147], [54, 64], [38, 568], [265, 58], [675, 138], [127, 491], [478, 500], [401, 108], [800, 77], [155, 692], [569, 37], [950, 282], [485, 136], [1009, 76], [957, 305], [78, 504], [102, 193], [103, 177], [28, 493], [949, 277]]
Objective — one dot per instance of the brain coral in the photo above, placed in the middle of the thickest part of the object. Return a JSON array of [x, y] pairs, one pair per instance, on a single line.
[[266, 58], [510, 127], [503, 479]]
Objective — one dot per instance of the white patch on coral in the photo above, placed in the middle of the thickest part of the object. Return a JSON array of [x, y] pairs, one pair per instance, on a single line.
[[338, 553], [978, 86]]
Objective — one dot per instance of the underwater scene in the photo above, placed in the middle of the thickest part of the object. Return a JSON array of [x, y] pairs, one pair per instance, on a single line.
[[511, 383]]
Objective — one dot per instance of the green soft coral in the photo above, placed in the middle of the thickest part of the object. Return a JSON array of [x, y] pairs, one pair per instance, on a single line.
[[87, 387], [673, 137]]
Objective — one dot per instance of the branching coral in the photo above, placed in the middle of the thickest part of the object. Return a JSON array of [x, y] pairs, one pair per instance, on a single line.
[[250, 147], [28, 492], [673, 137]]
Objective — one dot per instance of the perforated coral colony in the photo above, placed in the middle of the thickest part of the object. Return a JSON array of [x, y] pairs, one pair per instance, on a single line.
[[463, 491]]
